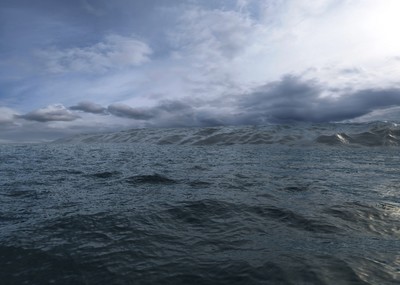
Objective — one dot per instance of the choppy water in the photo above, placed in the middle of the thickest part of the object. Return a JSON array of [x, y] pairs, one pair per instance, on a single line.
[[269, 210]]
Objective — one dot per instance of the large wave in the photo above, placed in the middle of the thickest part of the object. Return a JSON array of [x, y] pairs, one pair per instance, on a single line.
[[366, 134]]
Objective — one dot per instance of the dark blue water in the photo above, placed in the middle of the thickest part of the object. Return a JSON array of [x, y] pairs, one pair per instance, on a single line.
[[136, 213]]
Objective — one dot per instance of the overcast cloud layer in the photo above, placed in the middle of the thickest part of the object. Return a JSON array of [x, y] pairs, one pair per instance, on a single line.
[[85, 66]]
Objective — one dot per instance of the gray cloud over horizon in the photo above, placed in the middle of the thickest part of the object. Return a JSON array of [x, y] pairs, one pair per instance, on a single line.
[[89, 107], [292, 99], [52, 113], [288, 100], [125, 111]]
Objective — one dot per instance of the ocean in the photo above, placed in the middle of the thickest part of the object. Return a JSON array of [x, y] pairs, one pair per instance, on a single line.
[[275, 204]]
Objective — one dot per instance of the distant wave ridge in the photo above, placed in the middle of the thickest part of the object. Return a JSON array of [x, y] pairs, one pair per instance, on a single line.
[[385, 134], [366, 134]]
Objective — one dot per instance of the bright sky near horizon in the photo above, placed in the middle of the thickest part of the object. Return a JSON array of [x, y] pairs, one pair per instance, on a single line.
[[73, 66]]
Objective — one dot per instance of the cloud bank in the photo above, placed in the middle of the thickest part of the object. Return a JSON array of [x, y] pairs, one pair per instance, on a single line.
[[294, 100], [290, 99]]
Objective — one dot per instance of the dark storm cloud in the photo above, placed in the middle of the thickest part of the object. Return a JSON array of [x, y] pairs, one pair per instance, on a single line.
[[125, 111], [89, 107], [294, 100], [368, 100], [50, 113], [288, 100]]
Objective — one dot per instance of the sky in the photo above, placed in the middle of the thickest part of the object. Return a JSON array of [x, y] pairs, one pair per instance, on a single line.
[[79, 66]]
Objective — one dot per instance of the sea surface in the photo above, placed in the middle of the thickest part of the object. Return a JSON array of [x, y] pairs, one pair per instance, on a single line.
[[282, 204]]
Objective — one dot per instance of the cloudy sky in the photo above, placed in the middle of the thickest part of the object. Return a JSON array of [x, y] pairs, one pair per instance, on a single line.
[[73, 66]]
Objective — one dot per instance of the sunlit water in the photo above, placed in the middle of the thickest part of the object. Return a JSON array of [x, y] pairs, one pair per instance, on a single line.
[[156, 213]]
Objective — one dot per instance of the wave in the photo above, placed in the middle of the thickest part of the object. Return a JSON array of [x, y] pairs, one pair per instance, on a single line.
[[149, 179], [367, 134], [105, 174], [387, 135]]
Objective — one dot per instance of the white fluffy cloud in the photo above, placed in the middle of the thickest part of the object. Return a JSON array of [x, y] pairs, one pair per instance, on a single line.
[[115, 52]]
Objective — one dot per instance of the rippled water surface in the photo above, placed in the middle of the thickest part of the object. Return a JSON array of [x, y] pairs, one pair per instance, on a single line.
[[136, 213]]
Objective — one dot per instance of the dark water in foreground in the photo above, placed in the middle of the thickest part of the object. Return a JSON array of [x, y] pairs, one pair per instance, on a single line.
[[183, 214]]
